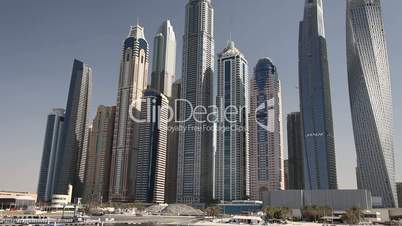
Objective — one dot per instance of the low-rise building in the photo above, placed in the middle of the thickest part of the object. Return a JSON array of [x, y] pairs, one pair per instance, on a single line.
[[17, 200], [60, 201], [240, 207], [335, 199]]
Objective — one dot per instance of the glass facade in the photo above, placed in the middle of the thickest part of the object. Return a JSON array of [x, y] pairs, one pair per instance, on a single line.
[[51, 149], [295, 152], [231, 136], [151, 166], [371, 99], [71, 162], [315, 101], [164, 59]]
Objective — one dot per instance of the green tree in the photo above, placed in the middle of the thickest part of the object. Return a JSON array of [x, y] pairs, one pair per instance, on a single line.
[[276, 213]]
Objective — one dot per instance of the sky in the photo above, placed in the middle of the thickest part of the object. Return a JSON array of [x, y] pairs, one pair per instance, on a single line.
[[39, 40]]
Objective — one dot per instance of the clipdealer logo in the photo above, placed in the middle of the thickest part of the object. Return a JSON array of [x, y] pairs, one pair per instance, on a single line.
[[213, 114]]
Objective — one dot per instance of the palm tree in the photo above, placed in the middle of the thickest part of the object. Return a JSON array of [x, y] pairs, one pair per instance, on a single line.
[[352, 216]]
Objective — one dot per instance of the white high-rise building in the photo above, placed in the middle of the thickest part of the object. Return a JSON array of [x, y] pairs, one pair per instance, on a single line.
[[370, 99], [194, 173], [164, 59], [231, 157], [265, 131], [132, 82]]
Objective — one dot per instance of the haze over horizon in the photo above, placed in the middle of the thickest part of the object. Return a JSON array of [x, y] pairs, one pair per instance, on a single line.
[[40, 39]]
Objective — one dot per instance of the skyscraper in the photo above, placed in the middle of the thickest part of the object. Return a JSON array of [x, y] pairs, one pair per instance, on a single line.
[[173, 143], [295, 152], [231, 157], [99, 156], [51, 148], [132, 82], [153, 141], [266, 131], [164, 59], [72, 158], [371, 99], [194, 176], [315, 100], [162, 78]]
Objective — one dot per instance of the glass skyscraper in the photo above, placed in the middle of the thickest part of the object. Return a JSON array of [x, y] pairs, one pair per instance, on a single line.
[[265, 131], [164, 59], [231, 156], [71, 162], [315, 100], [194, 171], [152, 147], [51, 149], [371, 99], [133, 80]]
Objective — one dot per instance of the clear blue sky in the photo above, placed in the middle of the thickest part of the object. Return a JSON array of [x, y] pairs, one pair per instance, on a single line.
[[39, 39]]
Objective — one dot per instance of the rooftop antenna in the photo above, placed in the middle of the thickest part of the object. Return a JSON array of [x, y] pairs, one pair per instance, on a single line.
[[138, 21]]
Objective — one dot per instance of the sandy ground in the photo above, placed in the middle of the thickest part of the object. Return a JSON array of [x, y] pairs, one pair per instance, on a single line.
[[289, 223]]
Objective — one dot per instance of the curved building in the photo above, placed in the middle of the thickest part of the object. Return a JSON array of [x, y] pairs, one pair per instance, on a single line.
[[315, 100], [132, 82], [370, 99], [265, 131]]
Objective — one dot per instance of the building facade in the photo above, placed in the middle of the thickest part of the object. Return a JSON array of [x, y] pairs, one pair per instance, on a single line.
[[295, 152], [371, 99], [194, 173], [71, 161], [399, 193], [265, 130], [334, 199], [231, 156], [97, 173], [315, 100], [132, 82], [173, 143], [153, 135], [286, 169], [164, 59], [51, 147]]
